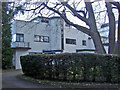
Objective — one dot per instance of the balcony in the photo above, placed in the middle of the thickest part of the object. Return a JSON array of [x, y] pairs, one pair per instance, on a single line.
[[20, 45]]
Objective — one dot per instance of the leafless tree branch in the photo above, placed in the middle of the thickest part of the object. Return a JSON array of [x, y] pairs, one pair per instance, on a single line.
[[81, 28], [75, 13]]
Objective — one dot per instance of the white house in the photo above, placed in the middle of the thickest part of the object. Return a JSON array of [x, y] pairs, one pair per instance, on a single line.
[[47, 35]]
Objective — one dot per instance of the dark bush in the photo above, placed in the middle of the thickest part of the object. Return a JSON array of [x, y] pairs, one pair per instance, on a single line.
[[73, 67]]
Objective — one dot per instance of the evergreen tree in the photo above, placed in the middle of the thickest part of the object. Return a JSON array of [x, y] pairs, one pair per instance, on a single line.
[[6, 38]]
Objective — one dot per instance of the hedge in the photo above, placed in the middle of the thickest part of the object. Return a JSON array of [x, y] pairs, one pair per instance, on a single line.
[[73, 67]]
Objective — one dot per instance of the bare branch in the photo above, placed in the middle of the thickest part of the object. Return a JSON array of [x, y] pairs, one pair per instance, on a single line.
[[75, 13], [101, 11], [81, 28], [117, 4], [33, 9], [83, 12]]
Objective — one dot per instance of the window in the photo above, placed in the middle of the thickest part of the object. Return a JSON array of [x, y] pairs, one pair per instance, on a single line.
[[46, 39], [45, 20], [19, 37], [41, 38], [14, 38], [38, 38], [71, 41], [31, 53], [84, 42]]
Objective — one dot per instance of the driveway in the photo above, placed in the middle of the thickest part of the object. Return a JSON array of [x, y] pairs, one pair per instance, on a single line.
[[9, 80]]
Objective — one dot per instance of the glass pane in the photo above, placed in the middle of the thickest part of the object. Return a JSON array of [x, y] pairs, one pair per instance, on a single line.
[[14, 38], [46, 39], [37, 38], [84, 42], [21, 38], [70, 41], [17, 38], [41, 38]]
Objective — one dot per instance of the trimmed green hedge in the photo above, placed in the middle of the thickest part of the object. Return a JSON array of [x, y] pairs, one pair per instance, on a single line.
[[73, 67]]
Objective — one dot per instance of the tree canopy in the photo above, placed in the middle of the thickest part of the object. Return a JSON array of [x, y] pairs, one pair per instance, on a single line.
[[6, 38]]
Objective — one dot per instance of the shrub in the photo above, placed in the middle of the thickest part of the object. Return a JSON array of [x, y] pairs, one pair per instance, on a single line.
[[73, 67]]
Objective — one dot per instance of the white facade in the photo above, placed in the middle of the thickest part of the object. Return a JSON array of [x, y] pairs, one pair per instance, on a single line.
[[47, 35]]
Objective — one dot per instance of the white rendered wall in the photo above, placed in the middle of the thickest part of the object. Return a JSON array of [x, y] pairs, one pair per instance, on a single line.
[[29, 29], [55, 34], [73, 33], [18, 54]]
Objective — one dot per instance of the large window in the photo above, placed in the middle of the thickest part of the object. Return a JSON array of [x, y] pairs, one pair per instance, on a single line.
[[70, 41], [19, 37], [38, 38], [84, 42]]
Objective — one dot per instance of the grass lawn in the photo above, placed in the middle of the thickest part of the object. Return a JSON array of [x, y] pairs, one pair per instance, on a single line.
[[70, 84]]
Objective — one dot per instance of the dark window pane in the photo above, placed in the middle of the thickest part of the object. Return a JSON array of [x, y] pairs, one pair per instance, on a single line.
[[84, 42], [45, 20], [17, 38], [20, 37], [71, 41], [46, 39]]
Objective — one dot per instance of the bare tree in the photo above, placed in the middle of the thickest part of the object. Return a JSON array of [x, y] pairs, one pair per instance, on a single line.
[[0, 34], [95, 35], [86, 16], [111, 28], [117, 4]]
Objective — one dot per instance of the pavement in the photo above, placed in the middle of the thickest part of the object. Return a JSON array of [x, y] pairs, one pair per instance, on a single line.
[[10, 80]]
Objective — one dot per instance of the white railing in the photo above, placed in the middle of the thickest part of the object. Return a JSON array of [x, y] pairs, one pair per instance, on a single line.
[[20, 44]]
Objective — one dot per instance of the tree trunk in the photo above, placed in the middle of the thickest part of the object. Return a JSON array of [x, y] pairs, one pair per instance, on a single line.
[[95, 34], [118, 39], [0, 34], [117, 4], [111, 17], [98, 43]]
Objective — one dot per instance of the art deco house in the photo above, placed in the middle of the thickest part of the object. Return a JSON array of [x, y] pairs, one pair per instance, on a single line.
[[47, 35]]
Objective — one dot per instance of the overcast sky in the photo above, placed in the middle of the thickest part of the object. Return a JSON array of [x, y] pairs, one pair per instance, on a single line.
[[102, 19]]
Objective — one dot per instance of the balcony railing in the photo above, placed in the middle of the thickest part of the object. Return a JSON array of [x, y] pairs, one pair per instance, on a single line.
[[23, 45]]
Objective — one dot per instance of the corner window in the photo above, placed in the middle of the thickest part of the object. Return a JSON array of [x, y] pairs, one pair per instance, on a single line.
[[19, 37], [84, 42], [70, 41]]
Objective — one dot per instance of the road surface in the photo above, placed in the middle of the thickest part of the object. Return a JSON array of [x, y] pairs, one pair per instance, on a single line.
[[9, 80]]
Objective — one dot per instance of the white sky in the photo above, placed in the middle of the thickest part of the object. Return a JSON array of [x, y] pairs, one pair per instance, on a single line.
[[102, 20]]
